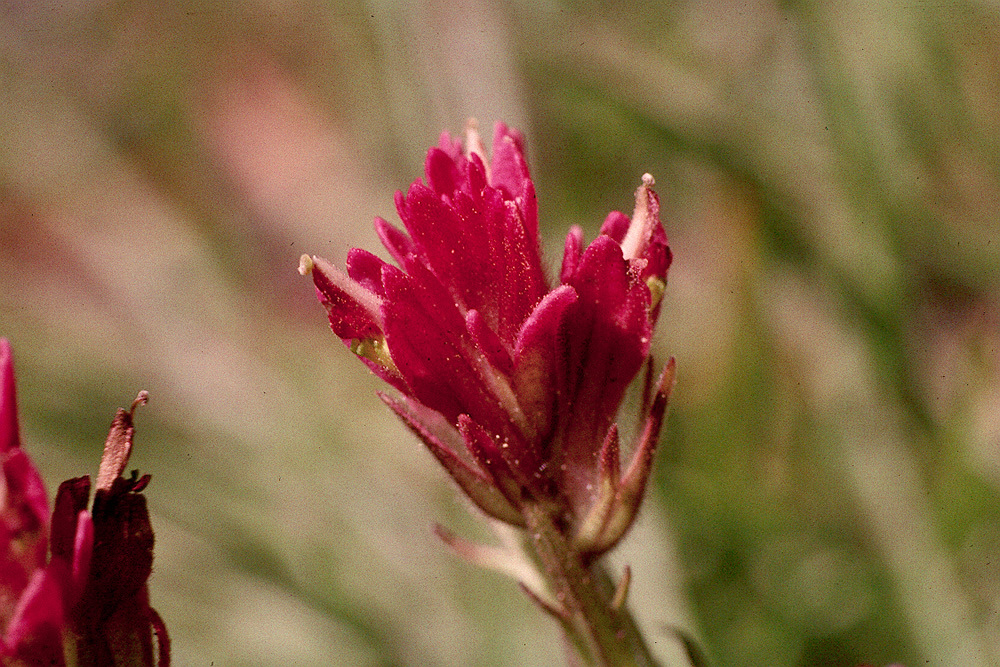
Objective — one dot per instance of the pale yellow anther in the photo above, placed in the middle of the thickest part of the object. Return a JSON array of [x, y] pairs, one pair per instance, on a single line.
[[656, 289], [375, 350]]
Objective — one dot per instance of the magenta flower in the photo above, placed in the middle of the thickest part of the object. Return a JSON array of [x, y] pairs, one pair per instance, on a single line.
[[88, 603], [513, 384]]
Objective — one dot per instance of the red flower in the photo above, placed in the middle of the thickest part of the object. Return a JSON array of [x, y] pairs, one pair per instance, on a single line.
[[89, 603], [514, 385]]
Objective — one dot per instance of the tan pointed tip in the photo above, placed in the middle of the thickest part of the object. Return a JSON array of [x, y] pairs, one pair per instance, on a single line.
[[305, 265], [467, 550], [669, 378], [621, 590], [140, 399], [444, 534]]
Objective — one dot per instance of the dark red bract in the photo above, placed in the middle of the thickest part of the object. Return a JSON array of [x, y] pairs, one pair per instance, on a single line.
[[88, 602]]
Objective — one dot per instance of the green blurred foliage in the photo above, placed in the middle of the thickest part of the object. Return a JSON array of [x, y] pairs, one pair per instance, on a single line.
[[827, 490]]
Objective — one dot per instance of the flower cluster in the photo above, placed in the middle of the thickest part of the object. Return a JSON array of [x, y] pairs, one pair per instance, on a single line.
[[87, 603], [512, 383]]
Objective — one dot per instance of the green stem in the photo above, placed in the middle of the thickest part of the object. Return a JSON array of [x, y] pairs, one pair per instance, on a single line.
[[603, 636]]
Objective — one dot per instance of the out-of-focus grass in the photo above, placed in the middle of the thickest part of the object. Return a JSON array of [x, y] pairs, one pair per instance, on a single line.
[[827, 488]]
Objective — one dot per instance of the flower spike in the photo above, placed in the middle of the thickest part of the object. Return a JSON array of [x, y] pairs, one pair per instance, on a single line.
[[512, 380], [512, 383]]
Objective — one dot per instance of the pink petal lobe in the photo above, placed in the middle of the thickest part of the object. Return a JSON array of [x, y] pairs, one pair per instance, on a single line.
[[442, 172], [509, 169], [354, 311], [528, 203], [452, 146], [436, 355], [607, 339], [539, 371], [395, 241], [519, 272], [473, 237], [475, 170], [616, 226], [488, 343], [24, 505], [572, 253], [27, 498], [365, 269], [24, 525], [423, 330]]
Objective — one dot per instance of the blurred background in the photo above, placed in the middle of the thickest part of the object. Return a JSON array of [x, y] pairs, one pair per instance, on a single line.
[[827, 487]]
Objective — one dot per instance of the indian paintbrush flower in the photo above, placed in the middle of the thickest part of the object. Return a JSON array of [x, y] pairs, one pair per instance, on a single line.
[[513, 382], [88, 603]]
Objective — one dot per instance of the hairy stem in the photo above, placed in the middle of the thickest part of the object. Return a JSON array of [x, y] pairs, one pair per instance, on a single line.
[[603, 634]]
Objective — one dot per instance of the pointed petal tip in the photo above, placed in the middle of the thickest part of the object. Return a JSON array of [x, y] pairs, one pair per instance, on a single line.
[[645, 218], [353, 309]]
